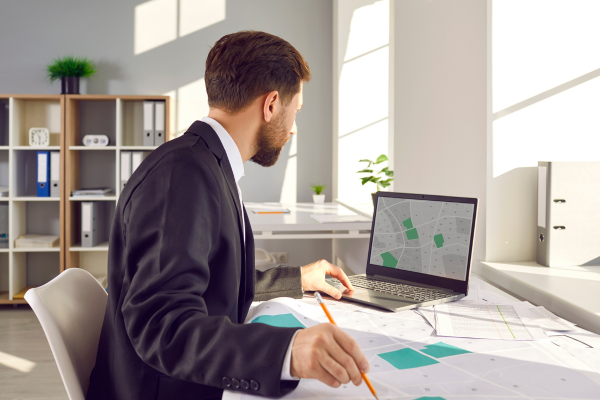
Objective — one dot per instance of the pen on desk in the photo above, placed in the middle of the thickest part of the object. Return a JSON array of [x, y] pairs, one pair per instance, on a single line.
[[324, 307]]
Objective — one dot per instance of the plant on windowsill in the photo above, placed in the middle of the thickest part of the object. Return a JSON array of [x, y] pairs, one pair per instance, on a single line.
[[69, 70], [381, 181], [318, 198]]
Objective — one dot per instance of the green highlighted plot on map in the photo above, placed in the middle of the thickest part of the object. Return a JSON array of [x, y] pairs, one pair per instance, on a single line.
[[407, 358], [408, 223], [441, 349], [389, 260], [430, 398], [412, 234], [280, 320], [439, 240]]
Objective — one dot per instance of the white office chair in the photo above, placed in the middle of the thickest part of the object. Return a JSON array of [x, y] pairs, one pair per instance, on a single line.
[[71, 309]]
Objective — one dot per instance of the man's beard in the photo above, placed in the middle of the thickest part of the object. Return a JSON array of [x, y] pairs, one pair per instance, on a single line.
[[270, 141]]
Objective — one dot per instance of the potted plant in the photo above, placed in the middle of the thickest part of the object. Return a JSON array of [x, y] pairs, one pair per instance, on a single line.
[[318, 198], [381, 181], [69, 70]]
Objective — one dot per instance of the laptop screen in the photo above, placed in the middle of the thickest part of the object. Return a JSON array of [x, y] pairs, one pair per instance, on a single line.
[[424, 236]]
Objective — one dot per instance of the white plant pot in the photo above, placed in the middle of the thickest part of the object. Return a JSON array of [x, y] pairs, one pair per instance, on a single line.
[[319, 198]]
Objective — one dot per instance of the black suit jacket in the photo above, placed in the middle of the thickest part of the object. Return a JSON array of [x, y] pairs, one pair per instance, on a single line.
[[181, 282]]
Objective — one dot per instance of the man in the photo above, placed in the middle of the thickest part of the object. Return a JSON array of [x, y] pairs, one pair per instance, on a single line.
[[181, 259]]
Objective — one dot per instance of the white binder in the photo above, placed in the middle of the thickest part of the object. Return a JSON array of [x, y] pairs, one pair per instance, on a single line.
[[568, 213], [136, 159], [55, 174], [159, 123], [148, 125], [92, 216], [125, 168]]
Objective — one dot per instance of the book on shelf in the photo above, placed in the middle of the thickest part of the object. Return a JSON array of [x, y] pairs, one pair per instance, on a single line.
[[3, 191], [91, 192], [36, 241]]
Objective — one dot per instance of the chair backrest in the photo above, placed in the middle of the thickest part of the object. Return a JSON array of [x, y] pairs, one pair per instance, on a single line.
[[71, 310]]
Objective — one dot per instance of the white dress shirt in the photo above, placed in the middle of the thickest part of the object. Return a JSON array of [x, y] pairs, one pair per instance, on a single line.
[[237, 166]]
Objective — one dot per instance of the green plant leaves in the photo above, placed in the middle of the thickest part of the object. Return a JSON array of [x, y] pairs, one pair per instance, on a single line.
[[70, 66], [381, 159], [318, 189], [370, 171]]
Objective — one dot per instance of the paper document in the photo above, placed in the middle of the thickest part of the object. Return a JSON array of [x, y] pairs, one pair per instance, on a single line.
[[543, 318], [331, 218], [407, 368], [485, 322]]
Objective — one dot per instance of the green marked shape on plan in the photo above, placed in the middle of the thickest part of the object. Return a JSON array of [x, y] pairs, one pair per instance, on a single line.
[[280, 320], [431, 398], [407, 358], [441, 349], [412, 234], [408, 223], [389, 260], [439, 240]]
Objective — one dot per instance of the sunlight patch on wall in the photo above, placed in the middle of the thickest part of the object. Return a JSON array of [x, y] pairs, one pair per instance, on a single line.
[[17, 363], [199, 14], [188, 104], [363, 94], [564, 127], [369, 29], [155, 23], [540, 44], [364, 91], [367, 143], [289, 189]]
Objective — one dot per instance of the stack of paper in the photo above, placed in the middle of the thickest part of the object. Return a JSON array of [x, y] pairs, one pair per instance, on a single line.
[[36, 241], [485, 315], [91, 192]]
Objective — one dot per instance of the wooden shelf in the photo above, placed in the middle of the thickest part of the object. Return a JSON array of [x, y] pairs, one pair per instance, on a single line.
[[34, 198], [100, 247], [92, 198], [89, 148], [147, 148], [37, 148], [37, 250]]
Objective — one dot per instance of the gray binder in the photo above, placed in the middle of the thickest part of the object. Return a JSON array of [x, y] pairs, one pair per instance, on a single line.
[[4, 225], [125, 168], [159, 123], [92, 221], [55, 174], [148, 123], [568, 213]]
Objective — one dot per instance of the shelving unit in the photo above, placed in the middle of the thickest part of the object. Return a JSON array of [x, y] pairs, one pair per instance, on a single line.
[[68, 117], [120, 118], [28, 213]]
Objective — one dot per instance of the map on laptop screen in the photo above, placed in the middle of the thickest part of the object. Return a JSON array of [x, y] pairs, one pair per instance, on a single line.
[[429, 237]]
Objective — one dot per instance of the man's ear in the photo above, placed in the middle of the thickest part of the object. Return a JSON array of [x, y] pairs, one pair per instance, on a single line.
[[270, 104]]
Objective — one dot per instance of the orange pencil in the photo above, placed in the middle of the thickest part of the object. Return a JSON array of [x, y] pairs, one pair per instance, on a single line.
[[364, 376]]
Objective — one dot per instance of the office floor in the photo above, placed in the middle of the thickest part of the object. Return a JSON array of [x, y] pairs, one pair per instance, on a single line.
[[21, 336]]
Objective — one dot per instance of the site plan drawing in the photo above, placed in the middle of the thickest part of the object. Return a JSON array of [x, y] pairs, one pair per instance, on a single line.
[[408, 363], [430, 237]]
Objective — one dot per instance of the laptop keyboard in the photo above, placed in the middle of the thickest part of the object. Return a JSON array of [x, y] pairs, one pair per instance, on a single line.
[[412, 292]]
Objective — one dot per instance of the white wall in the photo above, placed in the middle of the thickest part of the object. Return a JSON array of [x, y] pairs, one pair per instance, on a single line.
[[546, 107], [440, 95]]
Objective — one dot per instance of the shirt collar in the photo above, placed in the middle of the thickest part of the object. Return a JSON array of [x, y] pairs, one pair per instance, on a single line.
[[231, 149]]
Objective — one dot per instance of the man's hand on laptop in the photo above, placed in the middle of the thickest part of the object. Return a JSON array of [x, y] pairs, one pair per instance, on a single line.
[[313, 278], [327, 353]]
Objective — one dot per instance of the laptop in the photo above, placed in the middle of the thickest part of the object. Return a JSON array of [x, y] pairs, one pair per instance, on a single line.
[[419, 252]]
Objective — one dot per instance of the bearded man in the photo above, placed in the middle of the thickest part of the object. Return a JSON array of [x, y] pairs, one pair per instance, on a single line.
[[181, 259]]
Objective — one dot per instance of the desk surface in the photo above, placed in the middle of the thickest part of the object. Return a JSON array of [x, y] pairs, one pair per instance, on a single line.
[[409, 362], [299, 218], [572, 293]]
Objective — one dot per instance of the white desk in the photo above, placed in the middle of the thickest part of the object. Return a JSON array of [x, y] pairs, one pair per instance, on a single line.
[[298, 224], [572, 293]]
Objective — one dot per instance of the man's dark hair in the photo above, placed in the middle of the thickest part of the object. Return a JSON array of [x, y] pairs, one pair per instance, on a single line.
[[245, 65]]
